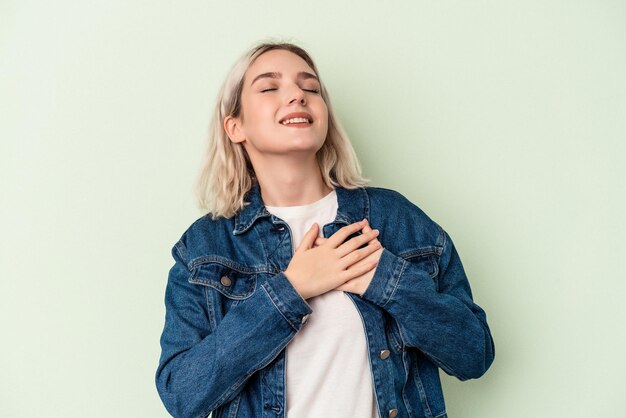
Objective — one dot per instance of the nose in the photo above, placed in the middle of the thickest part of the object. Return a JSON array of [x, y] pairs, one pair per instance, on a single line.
[[296, 94]]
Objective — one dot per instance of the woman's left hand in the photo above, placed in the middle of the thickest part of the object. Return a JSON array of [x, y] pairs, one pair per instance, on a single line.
[[359, 284]]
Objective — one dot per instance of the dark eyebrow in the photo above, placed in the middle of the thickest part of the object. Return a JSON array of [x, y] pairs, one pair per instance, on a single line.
[[303, 75]]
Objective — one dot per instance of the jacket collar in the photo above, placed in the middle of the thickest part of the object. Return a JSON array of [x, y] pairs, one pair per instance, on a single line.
[[353, 206]]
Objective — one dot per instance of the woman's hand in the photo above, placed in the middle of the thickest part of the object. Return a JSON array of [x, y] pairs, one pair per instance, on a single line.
[[360, 283], [314, 270]]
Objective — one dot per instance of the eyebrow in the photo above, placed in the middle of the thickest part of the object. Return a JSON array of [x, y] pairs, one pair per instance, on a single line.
[[302, 75]]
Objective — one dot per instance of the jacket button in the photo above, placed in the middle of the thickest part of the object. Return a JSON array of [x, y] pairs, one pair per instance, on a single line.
[[393, 412], [225, 281], [304, 318], [384, 354]]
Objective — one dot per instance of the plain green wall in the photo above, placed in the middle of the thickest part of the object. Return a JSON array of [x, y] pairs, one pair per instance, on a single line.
[[505, 121]]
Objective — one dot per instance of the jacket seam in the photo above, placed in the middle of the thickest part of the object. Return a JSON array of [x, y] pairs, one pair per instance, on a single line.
[[232, 296], [210, 309], [420, 252], [223, 261], [277, 308], [226, 394], [263, 363], [181, 251], [263, 246], [396, 283], [235, 406], [420, 388], [407, 377]]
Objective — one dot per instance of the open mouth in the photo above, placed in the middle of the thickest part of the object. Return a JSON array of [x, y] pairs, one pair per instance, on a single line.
[[296, 122], [297, 119]]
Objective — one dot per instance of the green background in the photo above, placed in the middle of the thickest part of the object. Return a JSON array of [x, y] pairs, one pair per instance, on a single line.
[[505, 121]]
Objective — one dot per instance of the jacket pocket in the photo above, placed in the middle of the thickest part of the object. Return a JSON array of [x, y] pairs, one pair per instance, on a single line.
[[425, 259], [227, 286], [228, 281]]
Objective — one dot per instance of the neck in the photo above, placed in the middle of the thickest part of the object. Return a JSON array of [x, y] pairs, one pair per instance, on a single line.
[[291, 183]]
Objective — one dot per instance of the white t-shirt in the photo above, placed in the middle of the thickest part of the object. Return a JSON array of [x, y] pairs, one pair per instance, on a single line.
[[327, 365]]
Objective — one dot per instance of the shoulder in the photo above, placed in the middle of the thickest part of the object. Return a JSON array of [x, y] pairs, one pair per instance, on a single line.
[[401, 218], [394, 203], [203, 233]]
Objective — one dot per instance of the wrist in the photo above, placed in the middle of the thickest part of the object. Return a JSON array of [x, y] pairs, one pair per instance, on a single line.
[[289, 275]]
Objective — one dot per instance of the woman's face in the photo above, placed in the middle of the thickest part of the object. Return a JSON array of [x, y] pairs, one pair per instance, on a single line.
[[282, 108]]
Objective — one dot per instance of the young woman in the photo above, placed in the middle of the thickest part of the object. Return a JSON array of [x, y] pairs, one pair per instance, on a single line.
[[303, 292]]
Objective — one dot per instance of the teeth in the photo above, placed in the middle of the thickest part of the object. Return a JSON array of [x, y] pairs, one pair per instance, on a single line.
[[295, 120]]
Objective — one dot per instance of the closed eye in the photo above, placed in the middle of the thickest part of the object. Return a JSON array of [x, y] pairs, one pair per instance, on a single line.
[[316, 91]]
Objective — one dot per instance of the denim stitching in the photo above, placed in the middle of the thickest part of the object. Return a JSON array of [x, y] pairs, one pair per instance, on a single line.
[[227, 393], [420, 387], [208, 259], [435, 266], [214, 283], [396, 283], [236, 385], [418, 252], [277, 308], [366, 203], [423, 253], [263, 247], [239, 228], [210, 309], [447, 368], [270, 357], [394, 341], [235, 406], [407, 402], [181, 250]]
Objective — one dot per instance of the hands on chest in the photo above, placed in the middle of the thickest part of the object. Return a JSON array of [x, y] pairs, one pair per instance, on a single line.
[[322, 264]]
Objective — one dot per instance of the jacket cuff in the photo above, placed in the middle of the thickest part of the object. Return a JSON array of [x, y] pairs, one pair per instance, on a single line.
[[385, 280], [287, 300]]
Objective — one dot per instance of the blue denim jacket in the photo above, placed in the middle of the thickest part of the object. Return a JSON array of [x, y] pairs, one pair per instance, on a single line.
[[231, 311]]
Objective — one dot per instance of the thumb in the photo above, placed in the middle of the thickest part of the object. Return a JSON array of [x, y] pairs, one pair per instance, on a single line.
[[309, 238]]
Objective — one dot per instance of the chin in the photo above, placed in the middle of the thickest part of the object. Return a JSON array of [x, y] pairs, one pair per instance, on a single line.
[[305, 142]]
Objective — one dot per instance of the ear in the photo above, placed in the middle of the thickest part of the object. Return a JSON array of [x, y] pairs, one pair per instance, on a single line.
[[232, 126]]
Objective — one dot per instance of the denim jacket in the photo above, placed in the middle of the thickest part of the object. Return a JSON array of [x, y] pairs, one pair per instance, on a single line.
[[231, 312]]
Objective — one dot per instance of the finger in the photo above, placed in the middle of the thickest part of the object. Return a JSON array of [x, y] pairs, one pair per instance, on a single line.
[[357, 255], [340, 236], [368, 228], [356, 242], [357, 270], [346, 287], [373, 257], [309, 238], [320, 240]]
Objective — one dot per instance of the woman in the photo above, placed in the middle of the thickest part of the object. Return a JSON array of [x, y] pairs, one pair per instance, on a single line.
[[283, 300]]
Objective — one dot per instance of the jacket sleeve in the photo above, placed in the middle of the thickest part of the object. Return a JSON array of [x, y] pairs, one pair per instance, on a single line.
[[201, 369], [437, 316]]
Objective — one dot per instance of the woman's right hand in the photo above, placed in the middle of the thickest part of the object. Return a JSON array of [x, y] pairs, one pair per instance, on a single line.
[[315, 270]]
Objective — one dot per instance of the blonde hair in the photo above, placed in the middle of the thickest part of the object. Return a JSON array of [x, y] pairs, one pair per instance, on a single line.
[[226, 174]]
